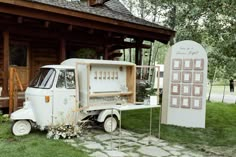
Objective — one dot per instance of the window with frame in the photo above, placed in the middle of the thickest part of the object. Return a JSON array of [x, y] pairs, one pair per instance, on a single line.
[[66, 79], [18, 55]]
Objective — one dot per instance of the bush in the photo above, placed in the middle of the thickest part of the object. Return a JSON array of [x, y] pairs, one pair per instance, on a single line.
[[4, 118]]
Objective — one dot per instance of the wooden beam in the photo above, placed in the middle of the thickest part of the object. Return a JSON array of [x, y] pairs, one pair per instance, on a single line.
[[125, 45], [91, 31], [70, 27], [62, 55], [20, 19], [46, 24], [109, 34], [6, 49], [27, 31]]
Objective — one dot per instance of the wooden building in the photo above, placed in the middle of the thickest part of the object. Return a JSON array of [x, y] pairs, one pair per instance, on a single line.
[[39, 32]]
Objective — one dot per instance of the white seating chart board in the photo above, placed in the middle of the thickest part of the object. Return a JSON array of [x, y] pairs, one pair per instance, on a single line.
[[185, 82]]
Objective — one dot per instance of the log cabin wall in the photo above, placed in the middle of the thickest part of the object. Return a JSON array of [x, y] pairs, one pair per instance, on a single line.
[[1, 62], [39, 52], [42, 55]]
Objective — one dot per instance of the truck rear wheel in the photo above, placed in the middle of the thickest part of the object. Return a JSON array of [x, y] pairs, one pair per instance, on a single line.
[[21, 127], [110, 124]]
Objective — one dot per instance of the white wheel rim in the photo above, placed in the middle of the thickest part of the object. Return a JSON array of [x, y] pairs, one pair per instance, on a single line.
[[21, 128], [110, 124]]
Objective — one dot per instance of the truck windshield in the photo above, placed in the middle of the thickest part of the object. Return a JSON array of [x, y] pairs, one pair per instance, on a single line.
[[44, 79]]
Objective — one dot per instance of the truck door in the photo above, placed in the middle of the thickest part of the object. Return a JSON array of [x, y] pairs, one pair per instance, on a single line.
[[64, 106]]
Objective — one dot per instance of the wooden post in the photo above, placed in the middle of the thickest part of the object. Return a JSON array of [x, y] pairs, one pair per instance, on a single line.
[[130, 52], [138, 52], [138, 55], [6, 49], [11, 90], [13, 81], [124, 53], [62, 55], [106, 56]]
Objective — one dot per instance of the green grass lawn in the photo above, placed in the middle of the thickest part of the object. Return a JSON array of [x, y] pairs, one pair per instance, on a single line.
[[34, 145], [220, 132], [220, 126]]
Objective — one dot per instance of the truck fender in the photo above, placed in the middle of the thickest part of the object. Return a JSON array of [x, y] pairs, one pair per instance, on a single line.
[[103, 115], [25, 113]]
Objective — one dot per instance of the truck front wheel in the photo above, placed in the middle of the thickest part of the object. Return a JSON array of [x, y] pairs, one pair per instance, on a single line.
[[21, 127], [110, 124]]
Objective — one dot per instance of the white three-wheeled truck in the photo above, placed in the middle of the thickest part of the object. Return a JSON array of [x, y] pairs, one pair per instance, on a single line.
[[74, 90]]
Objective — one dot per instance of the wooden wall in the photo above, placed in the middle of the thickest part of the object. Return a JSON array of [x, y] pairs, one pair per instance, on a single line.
[[1, 62], [42, 55], [40, 52]]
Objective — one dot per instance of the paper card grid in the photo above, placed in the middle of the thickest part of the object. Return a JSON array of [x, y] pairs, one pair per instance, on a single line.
[[186, 90], [187, 64], [177, 63], [176, 77], [198, 77], [187, 77], [175, 89], [198, 64], [197, 90], [197, 103], [174, 102], [185, 102]]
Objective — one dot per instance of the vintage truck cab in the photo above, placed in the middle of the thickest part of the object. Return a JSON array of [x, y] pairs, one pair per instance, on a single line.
[[48, 99]]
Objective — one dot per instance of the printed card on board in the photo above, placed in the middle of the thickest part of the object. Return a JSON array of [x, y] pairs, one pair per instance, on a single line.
[[197, 103], [187, 77], [198, 77], [177, 64], [188, 64], [186, 90], [198, 64], [185, 102], [176, 76], [197, 90], [175, 101], [175, 89]]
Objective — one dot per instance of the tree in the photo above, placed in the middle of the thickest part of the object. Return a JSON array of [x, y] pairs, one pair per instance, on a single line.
[[211, 23]]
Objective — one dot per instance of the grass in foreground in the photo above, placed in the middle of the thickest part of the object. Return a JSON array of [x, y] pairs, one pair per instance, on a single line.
[[220, 131], [33, 145], [220, 126]]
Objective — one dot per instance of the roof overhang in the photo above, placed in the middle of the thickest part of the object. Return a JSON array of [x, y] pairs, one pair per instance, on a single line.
[[62, 15]]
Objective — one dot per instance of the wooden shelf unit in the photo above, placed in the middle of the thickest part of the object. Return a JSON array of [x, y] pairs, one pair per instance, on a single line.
[[110, 94]]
